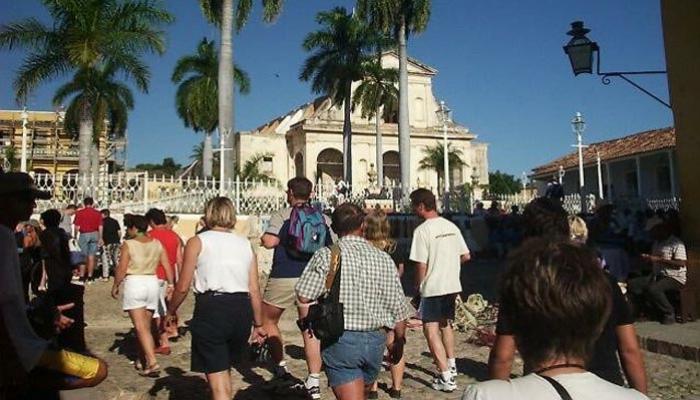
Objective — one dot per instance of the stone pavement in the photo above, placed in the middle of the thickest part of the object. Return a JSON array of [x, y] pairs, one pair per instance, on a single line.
[[677, 340], [110, 336]]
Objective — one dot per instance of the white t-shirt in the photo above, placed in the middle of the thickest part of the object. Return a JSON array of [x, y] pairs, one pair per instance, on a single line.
[[439, 243], [223, 264], [581, 386], [28, 346]]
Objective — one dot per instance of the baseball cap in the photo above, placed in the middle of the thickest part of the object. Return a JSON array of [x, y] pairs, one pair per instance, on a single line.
[[20, 182]]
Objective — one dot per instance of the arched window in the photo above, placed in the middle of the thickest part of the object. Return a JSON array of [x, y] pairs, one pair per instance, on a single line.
[[329, 165], [392, 170]]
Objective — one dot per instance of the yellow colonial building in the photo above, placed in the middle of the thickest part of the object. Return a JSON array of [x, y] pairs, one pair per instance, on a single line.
[[49, 149]]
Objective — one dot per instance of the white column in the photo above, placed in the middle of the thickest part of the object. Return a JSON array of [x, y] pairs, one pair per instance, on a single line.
[[638, 163], [672, 173], [23, 162], [600, 177]]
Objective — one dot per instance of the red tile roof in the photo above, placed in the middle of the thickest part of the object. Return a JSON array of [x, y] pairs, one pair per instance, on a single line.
[[638, 143]]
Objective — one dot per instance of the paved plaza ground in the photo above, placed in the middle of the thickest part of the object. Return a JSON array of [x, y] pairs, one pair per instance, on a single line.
[[110, 335]]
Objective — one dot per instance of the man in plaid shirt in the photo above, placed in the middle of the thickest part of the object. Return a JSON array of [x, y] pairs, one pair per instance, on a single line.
[[373, 303]]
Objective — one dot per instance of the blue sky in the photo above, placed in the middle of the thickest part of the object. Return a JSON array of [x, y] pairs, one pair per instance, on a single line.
[[501, 70]]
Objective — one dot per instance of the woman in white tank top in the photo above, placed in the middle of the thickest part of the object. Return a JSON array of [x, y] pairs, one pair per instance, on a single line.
[[223, 269]]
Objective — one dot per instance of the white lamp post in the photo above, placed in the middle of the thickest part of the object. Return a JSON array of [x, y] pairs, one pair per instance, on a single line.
[[25, 118], [600, 175], [579, 125], [443, 114]]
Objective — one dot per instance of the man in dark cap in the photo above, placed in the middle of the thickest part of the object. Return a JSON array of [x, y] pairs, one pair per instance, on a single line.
[[25, 349]]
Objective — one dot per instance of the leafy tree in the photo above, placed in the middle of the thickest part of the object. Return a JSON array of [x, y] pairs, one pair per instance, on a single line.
[[434, 160], [10, 158], [399, 18], [377, 90], [97, 91], [168, 167], [503, 183], [340, 51], [251, 169], [82, 35], [225, 15], [197, 99]]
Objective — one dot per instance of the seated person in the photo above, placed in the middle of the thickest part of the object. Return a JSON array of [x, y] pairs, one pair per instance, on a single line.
[[29, 365], [552, 295], [668, 258]]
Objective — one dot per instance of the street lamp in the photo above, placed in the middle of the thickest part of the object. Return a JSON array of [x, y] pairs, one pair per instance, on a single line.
[[443, 114], [223, 135], [474, 183], [25, 118], [579, 125], [580, 50]]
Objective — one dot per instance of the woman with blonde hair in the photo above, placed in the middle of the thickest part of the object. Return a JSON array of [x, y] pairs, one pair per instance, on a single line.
[[138, 261], [224, 269], [577, 229], [377, 232]]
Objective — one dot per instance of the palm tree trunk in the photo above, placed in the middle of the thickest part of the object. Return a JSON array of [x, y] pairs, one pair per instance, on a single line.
[[84, 141], [347, 136], [226, 84], [377, 126], [207, 156], [94, 169], [404, 131]]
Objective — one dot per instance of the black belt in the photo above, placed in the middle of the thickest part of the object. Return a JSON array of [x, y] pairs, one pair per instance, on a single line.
[[213, 293]]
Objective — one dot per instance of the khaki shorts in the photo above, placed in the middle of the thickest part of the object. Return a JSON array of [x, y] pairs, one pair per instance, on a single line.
[[279, 292]]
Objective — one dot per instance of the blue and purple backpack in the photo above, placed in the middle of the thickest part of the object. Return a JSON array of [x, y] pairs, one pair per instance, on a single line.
[[307, 231]]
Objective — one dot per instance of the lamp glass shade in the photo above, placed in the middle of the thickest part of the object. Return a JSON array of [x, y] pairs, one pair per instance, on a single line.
[[580, 52], [443, 113], [578, 124]]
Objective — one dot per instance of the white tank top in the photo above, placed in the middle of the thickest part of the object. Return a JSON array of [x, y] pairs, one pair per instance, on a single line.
[[223, 264]]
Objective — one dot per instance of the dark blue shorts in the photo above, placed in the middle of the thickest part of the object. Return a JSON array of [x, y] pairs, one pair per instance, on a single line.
[[438, 308], [356, 355]]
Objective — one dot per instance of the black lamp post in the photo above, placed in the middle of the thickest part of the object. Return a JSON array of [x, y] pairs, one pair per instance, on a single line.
[[580, 50]]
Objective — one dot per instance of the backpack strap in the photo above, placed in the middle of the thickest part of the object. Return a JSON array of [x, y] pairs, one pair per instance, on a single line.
[[557, 386], [335, 265]]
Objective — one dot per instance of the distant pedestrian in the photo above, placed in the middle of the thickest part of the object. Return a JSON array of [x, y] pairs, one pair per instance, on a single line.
[[286, 231], [222, 268], [439, 250], [67, 220], [171, 243], [111, 237], [138, 261], [373, 303], [88, 223]]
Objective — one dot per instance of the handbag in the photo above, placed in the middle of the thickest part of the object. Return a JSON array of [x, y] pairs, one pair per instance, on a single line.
[[325, 318], [77, 257]]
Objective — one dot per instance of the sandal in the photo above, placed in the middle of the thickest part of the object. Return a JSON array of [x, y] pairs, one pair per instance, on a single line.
[[151, 372]]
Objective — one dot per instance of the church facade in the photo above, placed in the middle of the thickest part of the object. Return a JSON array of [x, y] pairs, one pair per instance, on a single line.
[[307, 141]]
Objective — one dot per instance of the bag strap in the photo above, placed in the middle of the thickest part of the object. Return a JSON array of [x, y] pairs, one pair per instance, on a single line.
[[558, 387], [334, 267]]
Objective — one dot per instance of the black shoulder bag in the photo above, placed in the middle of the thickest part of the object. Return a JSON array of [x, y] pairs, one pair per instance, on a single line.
[[325, 318], [558, 387]]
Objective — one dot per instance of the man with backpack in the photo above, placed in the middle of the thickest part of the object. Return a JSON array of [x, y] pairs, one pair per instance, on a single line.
[[294, 233]]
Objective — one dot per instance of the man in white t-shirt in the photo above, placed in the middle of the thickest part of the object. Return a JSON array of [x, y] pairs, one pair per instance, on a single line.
[[439, 250]]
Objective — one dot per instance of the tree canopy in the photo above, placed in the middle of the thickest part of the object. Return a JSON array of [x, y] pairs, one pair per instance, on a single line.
[[167, 167], [503, 183]]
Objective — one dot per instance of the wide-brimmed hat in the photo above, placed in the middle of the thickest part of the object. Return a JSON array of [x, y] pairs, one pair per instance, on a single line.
[[20, 182]]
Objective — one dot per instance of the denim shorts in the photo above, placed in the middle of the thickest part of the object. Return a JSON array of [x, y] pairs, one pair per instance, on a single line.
[[356, 355], [88, 243]]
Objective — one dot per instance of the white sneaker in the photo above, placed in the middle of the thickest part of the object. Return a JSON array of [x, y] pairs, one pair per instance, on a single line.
[[444, 386], [453, 371]]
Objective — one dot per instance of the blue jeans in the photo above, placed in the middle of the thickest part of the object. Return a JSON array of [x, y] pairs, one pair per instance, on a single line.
[[356, 355]]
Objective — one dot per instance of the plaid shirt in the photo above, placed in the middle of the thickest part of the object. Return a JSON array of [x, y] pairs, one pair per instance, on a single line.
[[370, 289]]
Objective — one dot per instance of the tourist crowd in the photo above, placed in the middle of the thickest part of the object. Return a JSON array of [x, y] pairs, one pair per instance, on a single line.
[[561, 302]]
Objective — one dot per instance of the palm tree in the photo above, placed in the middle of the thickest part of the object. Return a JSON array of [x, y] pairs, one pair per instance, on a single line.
[[251, 169], [196, 99], [377, 90], [85, 34], [400, 18], [341, 49], [221, 13], [434, 160], [108, 101]]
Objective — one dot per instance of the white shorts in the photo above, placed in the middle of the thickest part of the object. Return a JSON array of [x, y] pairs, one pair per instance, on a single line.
[[162, 306], [140, 291]]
